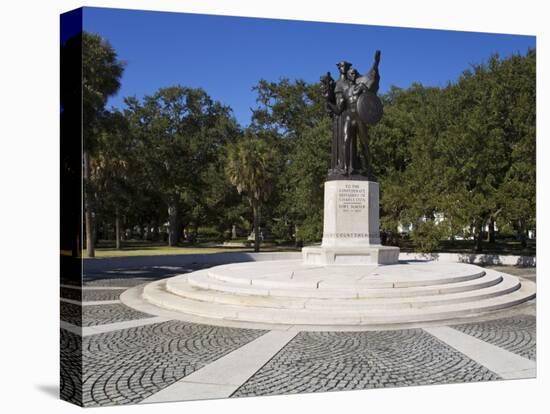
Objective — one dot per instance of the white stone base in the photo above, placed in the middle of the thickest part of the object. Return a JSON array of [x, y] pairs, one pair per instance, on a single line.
[[351, 214], [290, 292], [368, 255], [351, 227]]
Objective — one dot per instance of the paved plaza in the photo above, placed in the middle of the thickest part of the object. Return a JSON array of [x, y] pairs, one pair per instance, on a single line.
[[132, 357]]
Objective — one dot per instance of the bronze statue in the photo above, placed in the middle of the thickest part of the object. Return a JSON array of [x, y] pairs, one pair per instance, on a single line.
[[353, 105]]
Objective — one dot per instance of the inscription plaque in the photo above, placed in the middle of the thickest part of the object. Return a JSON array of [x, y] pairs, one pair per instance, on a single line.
[[352, 198]]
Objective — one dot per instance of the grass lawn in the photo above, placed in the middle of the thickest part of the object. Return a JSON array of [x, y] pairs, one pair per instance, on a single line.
[[106, 249], [157, 251]]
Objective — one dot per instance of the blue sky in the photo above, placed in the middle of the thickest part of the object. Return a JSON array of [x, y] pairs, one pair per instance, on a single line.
[[227, 56]]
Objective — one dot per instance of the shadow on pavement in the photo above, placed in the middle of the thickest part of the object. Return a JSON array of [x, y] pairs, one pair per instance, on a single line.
[[143, 273], [49, 389]]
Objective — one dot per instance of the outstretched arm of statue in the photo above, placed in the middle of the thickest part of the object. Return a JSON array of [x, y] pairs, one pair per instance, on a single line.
[[376, 59], [373, 76]]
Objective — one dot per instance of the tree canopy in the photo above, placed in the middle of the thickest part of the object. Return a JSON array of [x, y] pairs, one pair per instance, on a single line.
[[251, 168], [451, 161], [101, 72]]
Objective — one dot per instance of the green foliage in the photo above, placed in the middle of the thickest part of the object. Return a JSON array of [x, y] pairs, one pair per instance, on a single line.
[[159, 159], [449, 159], [293, 114], [454, 152], [311, 228], [101, 73], [426, 235], [281, 230], [251, 167]]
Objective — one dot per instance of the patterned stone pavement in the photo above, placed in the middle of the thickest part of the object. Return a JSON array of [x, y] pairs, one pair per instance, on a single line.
[[71, 313], [336, 361], [116, 282], [90, 295], [126, 366], [73, 294], [98, 314], [71, 367], [129, 277], [100, 294], [516, 334]]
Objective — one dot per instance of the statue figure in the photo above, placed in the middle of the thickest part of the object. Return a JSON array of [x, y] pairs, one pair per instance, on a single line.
[[353, 105], [333, 92]]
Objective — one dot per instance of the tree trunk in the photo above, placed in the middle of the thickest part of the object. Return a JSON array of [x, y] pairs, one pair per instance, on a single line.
[[479, 237], [195, 236], [256, 214], [289, 231], [173, 236], [117, 230], [523, 240], [89, 233], [155, 232], [78, 248], [94, 231], [90, 247], [522, 235], [492, 231], [147, 235], [297, 242]]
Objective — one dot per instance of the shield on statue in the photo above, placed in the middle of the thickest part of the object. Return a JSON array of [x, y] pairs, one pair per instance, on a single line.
[[369, 108]]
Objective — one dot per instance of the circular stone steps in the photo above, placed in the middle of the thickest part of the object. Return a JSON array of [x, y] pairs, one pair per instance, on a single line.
[[289, 292], [339, 288], [184, 289]]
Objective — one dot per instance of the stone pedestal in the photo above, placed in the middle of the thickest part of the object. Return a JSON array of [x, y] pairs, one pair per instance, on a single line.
[[351, 227]]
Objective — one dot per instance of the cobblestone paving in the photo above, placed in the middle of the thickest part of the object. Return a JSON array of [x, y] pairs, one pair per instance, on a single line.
[[71, 367], [101, 294], [333, 361], [73, 294], [132, 276], [99, 314], [517, 334], [71, 313], [90, 295], [126, 366], [117, 282]]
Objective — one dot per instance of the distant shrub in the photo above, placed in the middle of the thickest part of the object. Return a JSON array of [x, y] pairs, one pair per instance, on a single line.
[[311, 229], [426, 236]]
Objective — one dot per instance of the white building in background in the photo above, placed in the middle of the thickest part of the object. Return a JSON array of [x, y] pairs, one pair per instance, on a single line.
[[439, 218], [407, 228]]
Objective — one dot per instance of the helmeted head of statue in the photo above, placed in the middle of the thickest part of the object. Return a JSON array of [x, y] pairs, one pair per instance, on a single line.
[[343, 67], [352, 74]]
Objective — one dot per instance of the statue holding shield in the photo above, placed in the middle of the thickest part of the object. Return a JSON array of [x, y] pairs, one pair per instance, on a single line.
[[354, 106]]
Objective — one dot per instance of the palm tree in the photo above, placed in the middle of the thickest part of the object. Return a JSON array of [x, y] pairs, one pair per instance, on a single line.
[[101, 73], [251, 168]]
